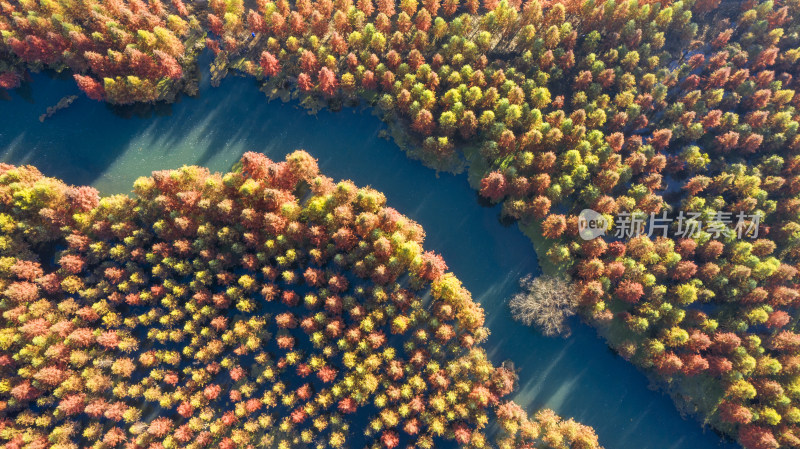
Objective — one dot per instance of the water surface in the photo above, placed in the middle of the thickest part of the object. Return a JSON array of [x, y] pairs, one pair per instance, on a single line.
[[579, 377]]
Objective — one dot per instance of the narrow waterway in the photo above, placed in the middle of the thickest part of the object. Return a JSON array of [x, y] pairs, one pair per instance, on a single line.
[[88, 143]]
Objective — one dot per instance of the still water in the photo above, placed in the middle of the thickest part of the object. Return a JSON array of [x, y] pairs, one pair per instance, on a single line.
[[89, 143]]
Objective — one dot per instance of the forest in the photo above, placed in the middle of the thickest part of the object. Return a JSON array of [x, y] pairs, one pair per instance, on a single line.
[[622, 107], [225, 311]]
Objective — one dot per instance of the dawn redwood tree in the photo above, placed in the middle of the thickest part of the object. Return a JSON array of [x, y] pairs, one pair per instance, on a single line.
[[92, 88], [328, 82], [494, 186]]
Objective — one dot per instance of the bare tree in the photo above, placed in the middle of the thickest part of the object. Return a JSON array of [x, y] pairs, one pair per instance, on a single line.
[[546, 302]]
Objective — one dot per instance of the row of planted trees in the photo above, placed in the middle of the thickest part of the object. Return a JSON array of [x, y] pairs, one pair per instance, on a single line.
[[221, 311], [624, 107]]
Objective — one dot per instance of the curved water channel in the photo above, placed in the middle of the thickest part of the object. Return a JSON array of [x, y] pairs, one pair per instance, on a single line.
[[88, 143]]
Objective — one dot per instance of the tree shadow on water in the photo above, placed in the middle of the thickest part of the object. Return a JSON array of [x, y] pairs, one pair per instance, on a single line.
[[142, 110]]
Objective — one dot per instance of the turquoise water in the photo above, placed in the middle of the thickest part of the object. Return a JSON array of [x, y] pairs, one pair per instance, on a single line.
[[89, 143]]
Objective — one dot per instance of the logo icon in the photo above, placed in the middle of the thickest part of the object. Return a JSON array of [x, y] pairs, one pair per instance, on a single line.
[[591, 224]]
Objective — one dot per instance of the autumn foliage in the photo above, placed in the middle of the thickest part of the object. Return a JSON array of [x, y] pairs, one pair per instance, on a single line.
[[623, 107], [119, 51], [220, 310]]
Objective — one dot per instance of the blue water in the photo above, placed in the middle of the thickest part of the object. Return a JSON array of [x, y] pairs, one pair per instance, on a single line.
[[89, 143]]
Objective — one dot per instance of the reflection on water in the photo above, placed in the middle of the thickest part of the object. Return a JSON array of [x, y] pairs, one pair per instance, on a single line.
[[579, 377]]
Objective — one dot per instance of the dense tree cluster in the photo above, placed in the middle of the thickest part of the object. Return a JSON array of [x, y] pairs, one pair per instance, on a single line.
[[267, 307], [624, 107], [614, 106], [119, 51]]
